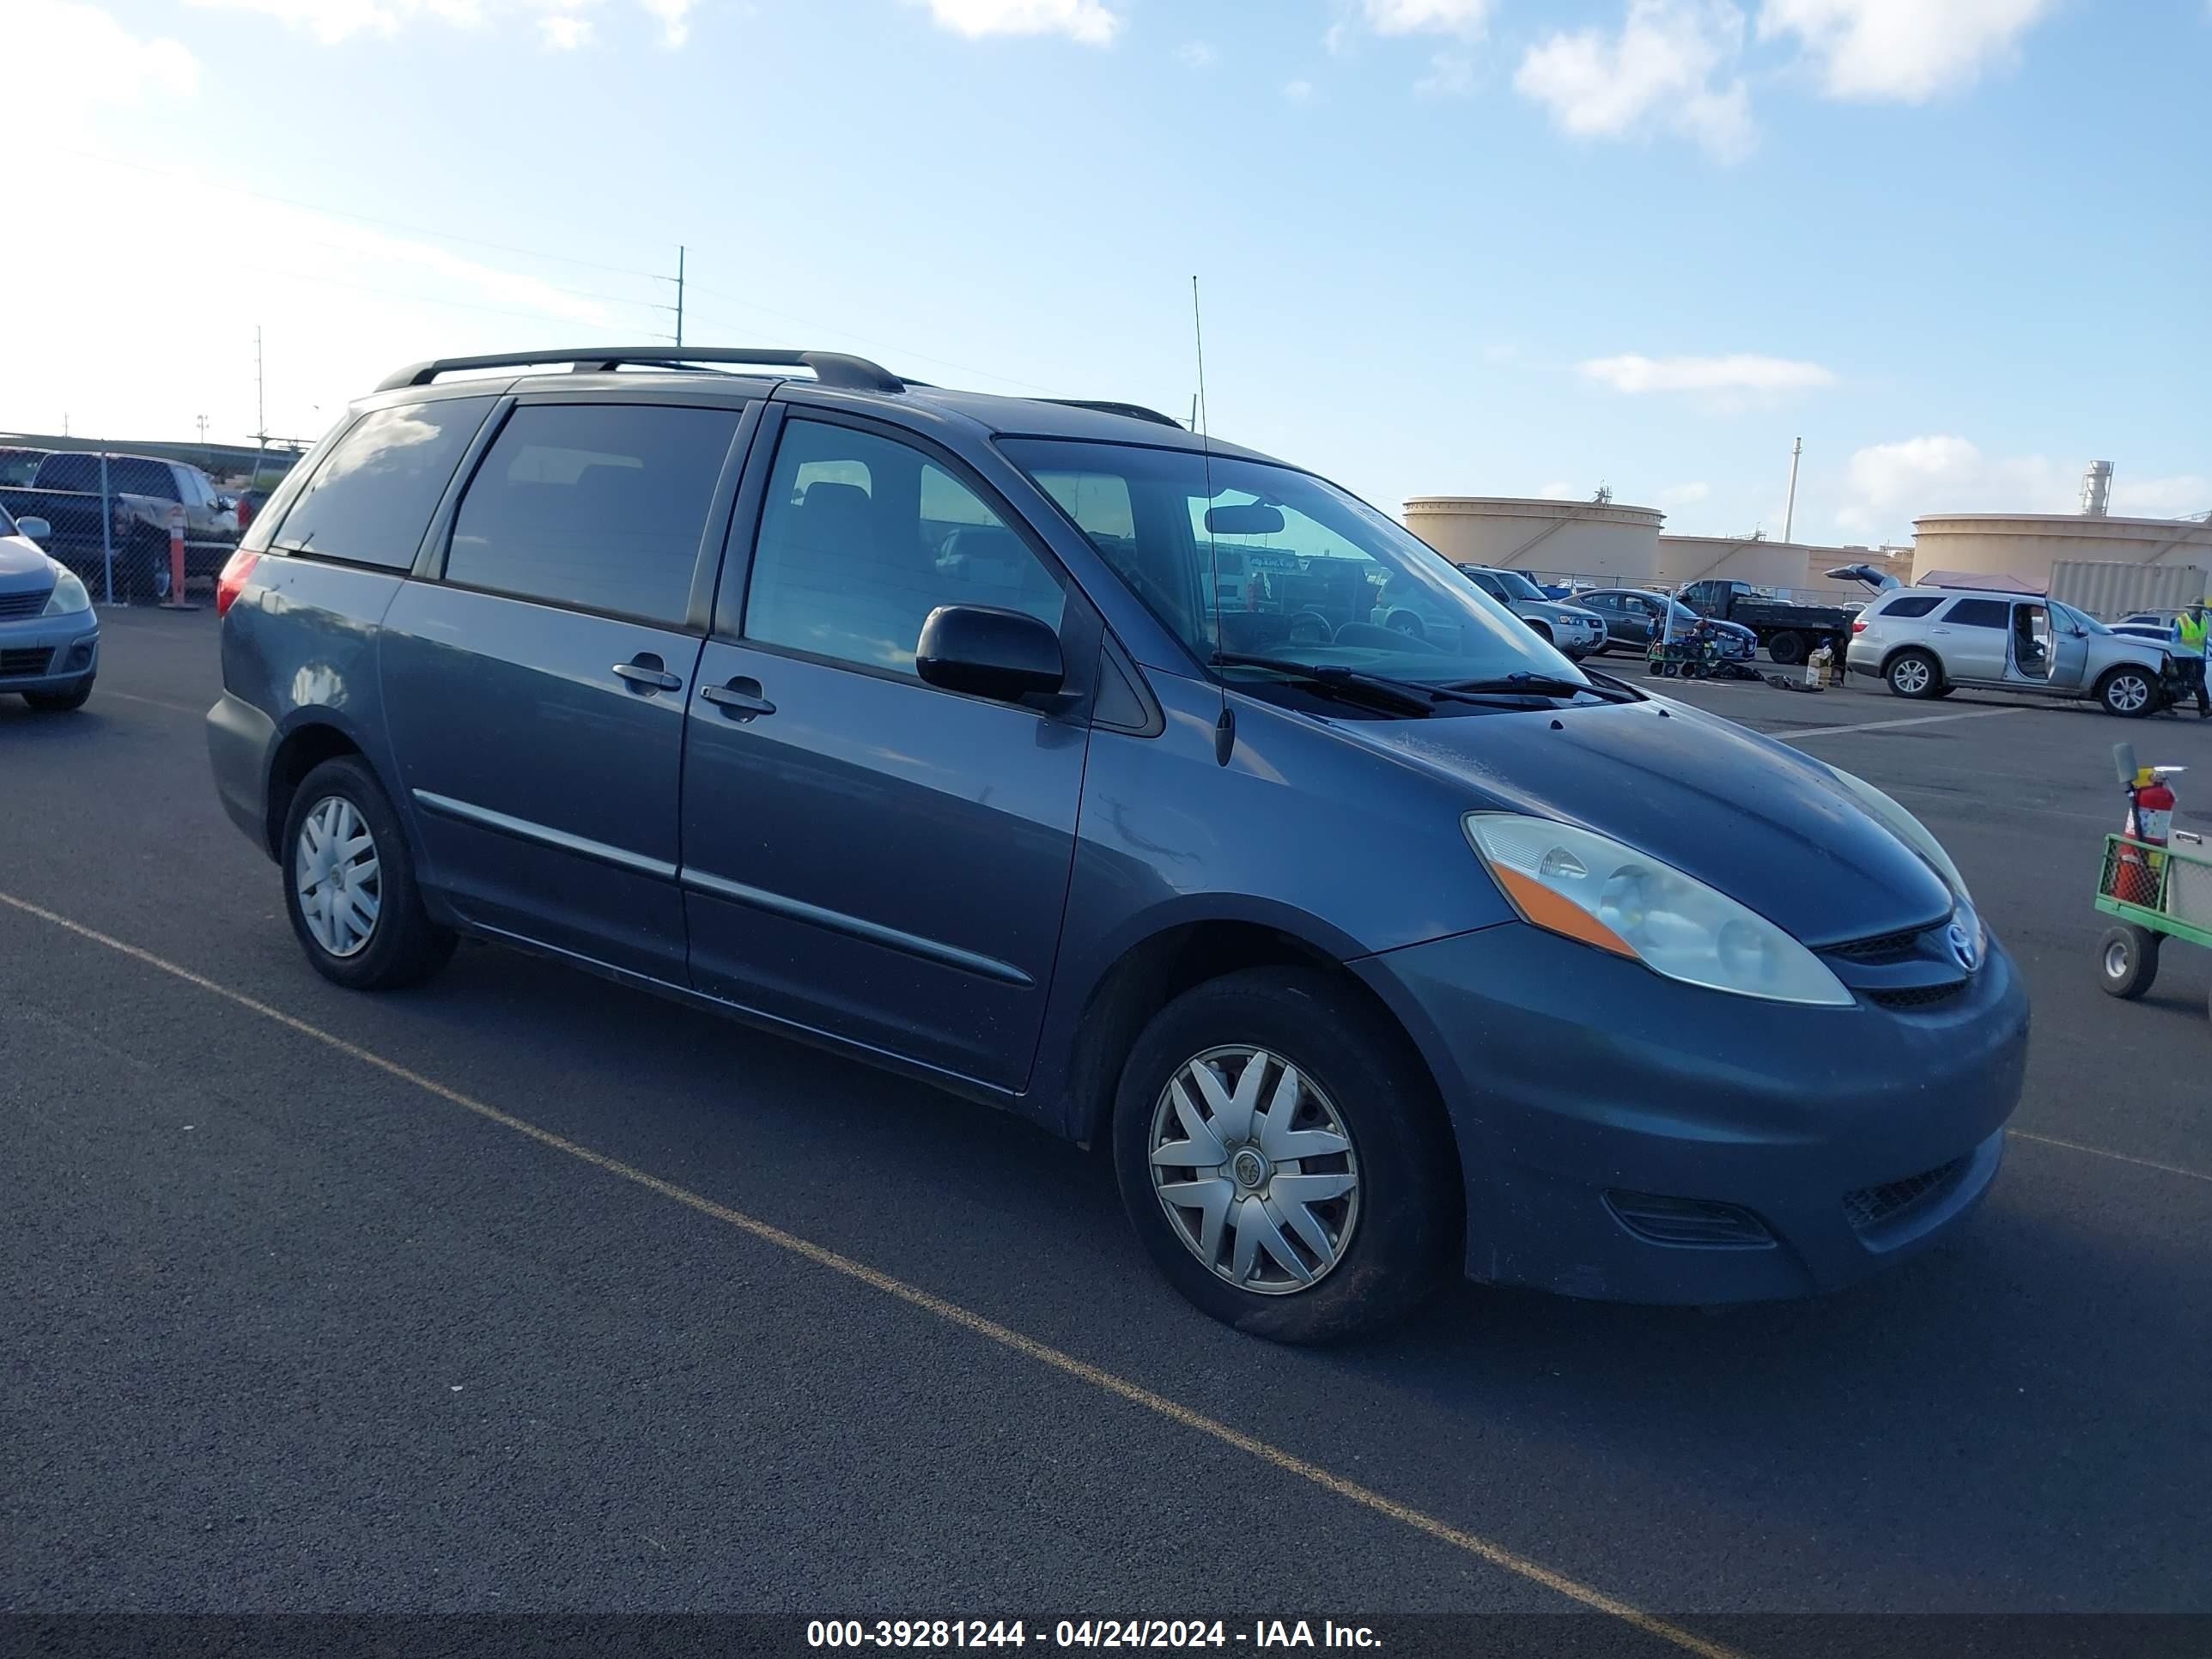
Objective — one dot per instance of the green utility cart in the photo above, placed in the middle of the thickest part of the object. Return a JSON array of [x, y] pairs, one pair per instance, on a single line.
[[2152, 893]]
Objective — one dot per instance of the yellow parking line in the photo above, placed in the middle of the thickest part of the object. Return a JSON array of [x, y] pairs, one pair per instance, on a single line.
[[1496, 1554], [2117, 1158], [1890, 725]]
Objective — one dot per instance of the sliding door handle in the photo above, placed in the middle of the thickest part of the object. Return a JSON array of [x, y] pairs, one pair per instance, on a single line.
[[647, 673]]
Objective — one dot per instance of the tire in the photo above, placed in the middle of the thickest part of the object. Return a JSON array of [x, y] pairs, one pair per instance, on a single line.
[[400, 945], [2128, 692], [2127, 961], [1787, 648], [1394, 1234], [61, 702], [1914, 674]]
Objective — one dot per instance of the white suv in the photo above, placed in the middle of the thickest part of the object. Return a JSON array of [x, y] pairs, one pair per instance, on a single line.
[[1927, 641]]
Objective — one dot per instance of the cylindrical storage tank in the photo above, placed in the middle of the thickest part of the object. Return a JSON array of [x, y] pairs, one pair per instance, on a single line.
[[2027, 545], [1613, 544], [1684, 559]]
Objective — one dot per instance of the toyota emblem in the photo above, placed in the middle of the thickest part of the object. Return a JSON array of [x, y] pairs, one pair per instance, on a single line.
[[1960, 939]]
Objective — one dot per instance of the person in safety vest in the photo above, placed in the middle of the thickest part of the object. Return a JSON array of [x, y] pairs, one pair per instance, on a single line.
[[2188, 639]]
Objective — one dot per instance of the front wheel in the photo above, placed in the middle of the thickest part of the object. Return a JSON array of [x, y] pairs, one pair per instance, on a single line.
[[1282, 1155], [2127, 961], [350, 884], [61, 702], [2129, 693]]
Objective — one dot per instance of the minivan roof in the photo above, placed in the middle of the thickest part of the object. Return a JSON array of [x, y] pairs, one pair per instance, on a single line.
[[848, 381]]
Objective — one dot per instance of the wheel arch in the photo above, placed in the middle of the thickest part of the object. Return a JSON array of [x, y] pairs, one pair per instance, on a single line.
[[1175, 957], [313, 736]]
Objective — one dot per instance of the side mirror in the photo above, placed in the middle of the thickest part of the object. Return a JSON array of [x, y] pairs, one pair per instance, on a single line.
[[988, 652], [37, 529]]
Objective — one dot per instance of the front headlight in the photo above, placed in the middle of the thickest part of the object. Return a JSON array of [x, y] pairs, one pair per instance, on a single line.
[[1906, 827], [1583, 887], [68, 597]]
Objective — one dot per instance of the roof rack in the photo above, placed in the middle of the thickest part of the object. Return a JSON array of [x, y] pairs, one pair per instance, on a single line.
[[1134, 412], [830, 368]]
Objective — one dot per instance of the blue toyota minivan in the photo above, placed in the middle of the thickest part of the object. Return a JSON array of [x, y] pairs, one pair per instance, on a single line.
[[926, 726]]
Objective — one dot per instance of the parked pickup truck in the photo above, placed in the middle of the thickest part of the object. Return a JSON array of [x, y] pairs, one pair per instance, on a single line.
[[1789, 631], [142, 492]]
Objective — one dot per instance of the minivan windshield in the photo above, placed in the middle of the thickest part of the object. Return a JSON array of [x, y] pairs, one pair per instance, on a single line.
[[1323, 581]]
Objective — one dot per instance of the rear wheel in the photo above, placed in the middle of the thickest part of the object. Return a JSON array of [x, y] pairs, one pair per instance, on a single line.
[[1914, 674], [61, 702], [2128, 691], [1282, 1155], [2127, 961], [350, 884], [1787, 648]]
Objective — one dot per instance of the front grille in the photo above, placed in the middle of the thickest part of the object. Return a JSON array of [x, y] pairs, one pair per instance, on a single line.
[[1885, 947], [1689, 1221], [14, 665], [1870, 1207], [1917, 996], [14, 607]]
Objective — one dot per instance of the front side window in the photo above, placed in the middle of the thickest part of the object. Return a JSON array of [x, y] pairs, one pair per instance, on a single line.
[[863, 536], [1518, 587], [1332, 582], [594, 507], [1979, 613], [371, 497]]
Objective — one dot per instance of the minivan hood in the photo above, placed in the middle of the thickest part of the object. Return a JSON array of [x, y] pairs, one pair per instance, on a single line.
[[1750, 816]]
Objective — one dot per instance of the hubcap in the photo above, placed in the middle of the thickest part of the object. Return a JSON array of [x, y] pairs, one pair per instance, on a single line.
[[1912, 676], [1254, 1168], [2128, 693], [2116, 960], [338, 876]]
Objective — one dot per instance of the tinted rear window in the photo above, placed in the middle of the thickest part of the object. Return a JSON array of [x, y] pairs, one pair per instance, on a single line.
[[1979, 613], [595, 506], [372, 498], [69, 471], [1913, 604]]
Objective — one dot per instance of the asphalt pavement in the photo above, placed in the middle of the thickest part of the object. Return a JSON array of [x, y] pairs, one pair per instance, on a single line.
[[527, 1292]]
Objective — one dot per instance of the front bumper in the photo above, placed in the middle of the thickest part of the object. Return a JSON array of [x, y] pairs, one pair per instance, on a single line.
[[49, 653], [1580, 1085]]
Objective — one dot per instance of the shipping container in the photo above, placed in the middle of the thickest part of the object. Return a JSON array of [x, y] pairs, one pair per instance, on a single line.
[[2109, 591]]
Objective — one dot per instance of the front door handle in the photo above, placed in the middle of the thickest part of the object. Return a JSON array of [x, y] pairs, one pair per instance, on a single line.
[[648, 674], [741, 699]]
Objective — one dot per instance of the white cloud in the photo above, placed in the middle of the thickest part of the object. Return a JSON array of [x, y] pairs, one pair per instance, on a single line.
[[1197, 54], [1907, 49], [1451, 74], [564, 31], [1300, 92], [1737, 372], [69, 57], [1086, 21], [1466, 18], [1684, 495], [1670, 68], [1890, 484], [560, 24]]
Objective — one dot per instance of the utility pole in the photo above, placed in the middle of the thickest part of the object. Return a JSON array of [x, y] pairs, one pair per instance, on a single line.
[[679, 294], [260, 410], [1789, 512]]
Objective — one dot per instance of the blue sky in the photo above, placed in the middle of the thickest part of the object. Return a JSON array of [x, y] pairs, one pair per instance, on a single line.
[[1447, 246]]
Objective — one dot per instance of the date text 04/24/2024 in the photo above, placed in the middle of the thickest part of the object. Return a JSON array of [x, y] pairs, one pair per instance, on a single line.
[[939, 1633]]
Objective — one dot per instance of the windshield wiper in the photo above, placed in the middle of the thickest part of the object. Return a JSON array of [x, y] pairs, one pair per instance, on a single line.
[[1543, 685], [1335, 679]]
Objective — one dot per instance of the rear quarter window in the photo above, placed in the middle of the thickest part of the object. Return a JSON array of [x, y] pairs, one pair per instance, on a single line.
[[372, 496], [1912, 604]]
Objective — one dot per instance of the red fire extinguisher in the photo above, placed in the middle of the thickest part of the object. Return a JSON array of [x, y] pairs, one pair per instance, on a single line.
[[2150, 822]]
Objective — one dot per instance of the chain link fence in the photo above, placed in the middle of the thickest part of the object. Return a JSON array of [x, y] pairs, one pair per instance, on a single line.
[[130, 523]]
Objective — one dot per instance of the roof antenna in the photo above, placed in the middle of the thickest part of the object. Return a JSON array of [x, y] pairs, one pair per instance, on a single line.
[[1225, 729]]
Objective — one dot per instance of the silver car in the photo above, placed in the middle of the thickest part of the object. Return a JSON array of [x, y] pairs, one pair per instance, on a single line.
[[1927, 641], [49, 635], [1575, 629]]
